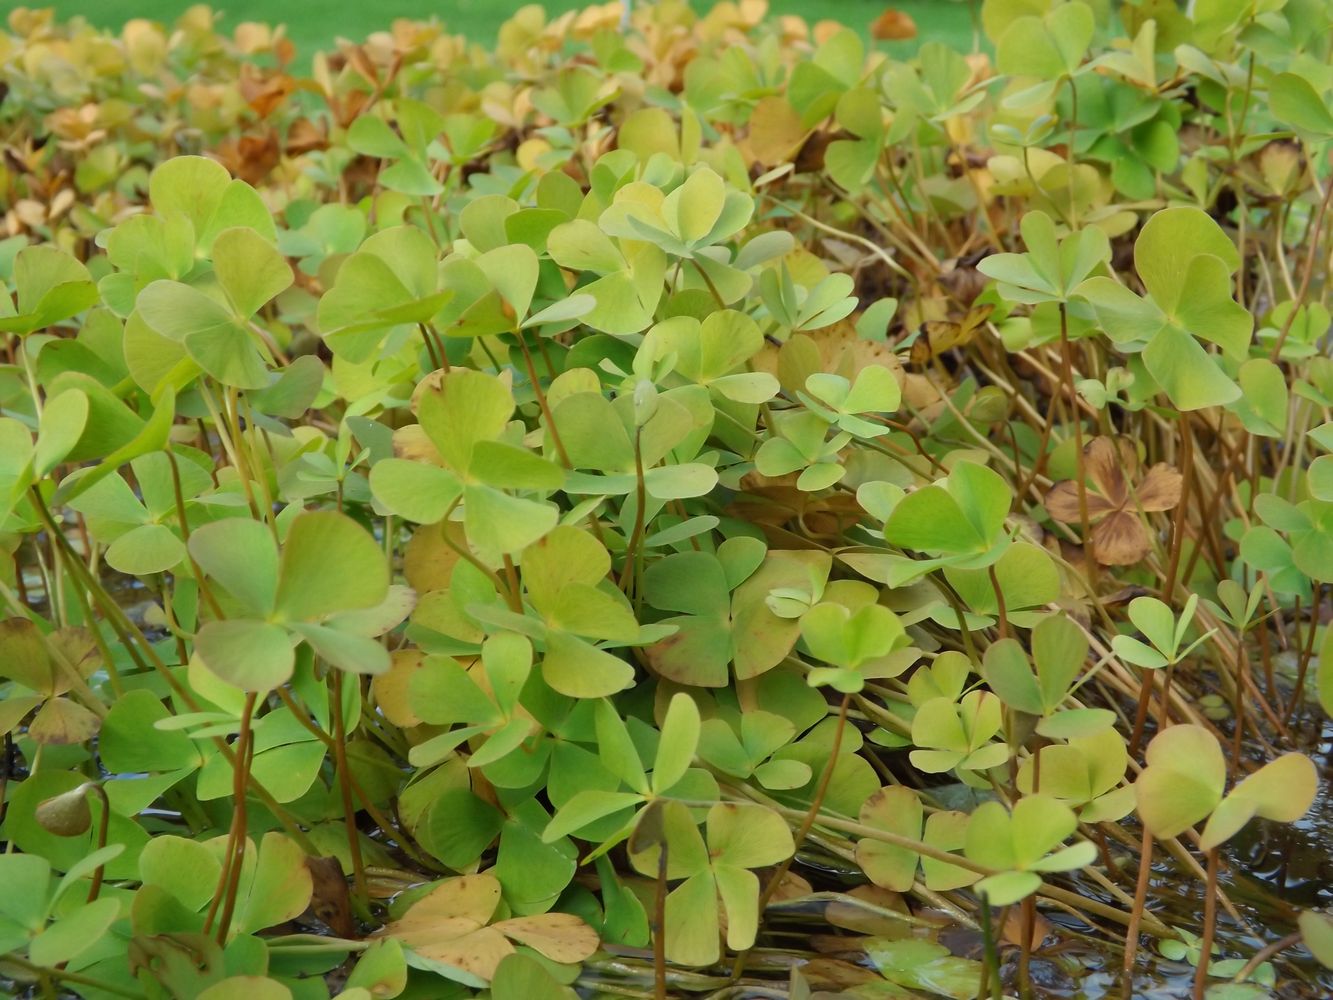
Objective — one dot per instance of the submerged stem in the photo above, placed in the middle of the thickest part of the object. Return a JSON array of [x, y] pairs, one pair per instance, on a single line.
[[1209, 927]]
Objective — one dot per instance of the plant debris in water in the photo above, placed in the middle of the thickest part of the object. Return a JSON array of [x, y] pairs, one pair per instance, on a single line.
[[669, 505]]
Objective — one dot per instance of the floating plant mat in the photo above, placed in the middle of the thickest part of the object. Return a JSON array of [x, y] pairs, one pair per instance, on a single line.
[[668, 505]]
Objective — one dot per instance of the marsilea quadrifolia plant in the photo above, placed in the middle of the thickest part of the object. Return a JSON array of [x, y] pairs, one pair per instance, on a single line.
[[702, 509]]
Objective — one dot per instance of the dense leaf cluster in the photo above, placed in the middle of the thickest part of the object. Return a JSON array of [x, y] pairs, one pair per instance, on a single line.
[[492, 523]]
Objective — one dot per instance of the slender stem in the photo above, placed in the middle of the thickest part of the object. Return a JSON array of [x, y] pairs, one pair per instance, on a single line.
[[1146, 685], [430, 347], [467, 555], [1238, 709], [184, 520], [1001, 611], [234, 859], [345, 785], [1067, 381], [1025, 947], [811, 815], [1140, 901], [403, 839], [100, 872], [1209, 927], [1311, 254], [659, 927], [717, 296], [145, 657], [1298, 690], [1265, 953], [640, 501], [542, 402], [990, 985], [1073, 133], [1178, 522], [64, 975]]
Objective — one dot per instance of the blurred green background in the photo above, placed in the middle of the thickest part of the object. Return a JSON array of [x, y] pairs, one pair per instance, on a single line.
[[315, 24]]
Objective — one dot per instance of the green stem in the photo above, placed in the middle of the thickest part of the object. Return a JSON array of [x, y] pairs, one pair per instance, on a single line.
[[229, 879], [1209, 927], [807, 822], [65, 976], [345, 786]]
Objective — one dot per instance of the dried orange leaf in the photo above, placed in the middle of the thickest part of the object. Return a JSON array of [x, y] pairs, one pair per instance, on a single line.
[[449, 925], [893, 26]]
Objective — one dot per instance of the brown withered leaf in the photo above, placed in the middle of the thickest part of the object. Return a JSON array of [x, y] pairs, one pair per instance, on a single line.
[[810, 158], [924, 393], [861, 909], [264, 91], [893, 26], [776, 131], [833, 974], [1113, 503], [347, 107], [837, 349], [961, 279], [451, 924], [304, 136], [792, 886], [385, 883], [775, 501], [77, 128], [329, 899], [250, 157], [938, 336], [1012, 931]]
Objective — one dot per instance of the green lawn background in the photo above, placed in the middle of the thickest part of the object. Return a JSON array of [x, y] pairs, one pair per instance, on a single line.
[[315, 24]]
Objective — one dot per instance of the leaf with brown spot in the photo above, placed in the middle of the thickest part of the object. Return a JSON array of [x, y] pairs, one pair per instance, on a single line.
[[561, 937], [392, 690], [412, 443], [428, 563], [62, 722], [23, 657], [75, 647]]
